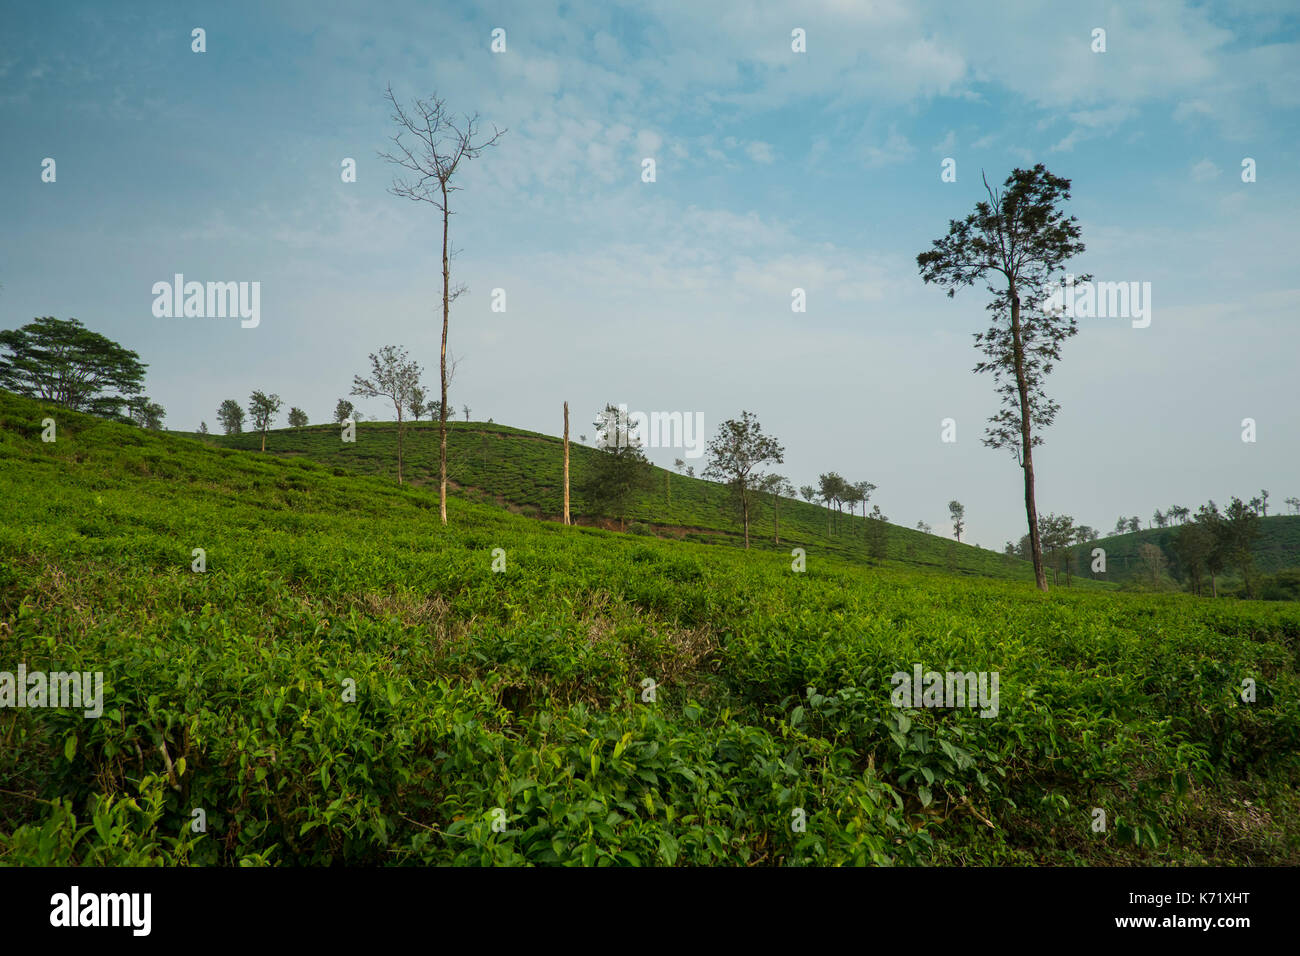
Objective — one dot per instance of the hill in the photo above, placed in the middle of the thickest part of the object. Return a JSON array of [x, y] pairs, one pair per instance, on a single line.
[[523, 471], [1277, 549], [348, 681]]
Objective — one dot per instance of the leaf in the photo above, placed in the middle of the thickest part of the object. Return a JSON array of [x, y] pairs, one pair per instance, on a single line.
[[668, 848], [70, 747], [926, 796]]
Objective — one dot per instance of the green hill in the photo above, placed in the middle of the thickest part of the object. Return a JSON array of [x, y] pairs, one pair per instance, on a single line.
[[523, 471], [1277, 549], [348, 681]]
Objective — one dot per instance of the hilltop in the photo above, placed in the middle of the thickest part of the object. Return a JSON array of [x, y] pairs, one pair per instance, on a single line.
[[345, 680]]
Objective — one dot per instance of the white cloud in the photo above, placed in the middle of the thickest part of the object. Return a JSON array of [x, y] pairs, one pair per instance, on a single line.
[[895, 149]]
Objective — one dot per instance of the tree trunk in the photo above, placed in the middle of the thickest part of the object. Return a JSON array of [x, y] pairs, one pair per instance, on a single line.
[[566, 463], [776, 520], [263, 439], [442, 415], [1026, 445], [744, 510], [399, 445]]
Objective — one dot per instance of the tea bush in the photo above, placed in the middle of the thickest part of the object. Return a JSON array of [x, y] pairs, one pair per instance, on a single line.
[[350, 682]]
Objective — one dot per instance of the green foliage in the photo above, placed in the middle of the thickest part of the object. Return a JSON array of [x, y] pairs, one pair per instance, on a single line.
[[350, 682], [612, 476], [231, 416], [62, 361]]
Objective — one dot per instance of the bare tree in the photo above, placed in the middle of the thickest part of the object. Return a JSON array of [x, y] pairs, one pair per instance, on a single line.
[[393, 376], [440, 143], [566, 464]]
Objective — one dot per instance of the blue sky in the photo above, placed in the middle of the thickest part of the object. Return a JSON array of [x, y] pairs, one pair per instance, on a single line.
[[775, 170]]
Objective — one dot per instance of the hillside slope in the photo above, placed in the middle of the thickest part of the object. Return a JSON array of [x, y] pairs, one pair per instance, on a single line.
[[523, 471], [348, 681], [1277, 549]]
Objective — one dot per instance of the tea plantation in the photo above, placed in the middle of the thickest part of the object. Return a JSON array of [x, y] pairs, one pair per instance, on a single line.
[[349, 682], [523, 471]]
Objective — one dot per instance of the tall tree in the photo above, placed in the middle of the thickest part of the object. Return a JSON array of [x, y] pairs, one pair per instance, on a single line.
[[60, 360], [392, 376], [343, 410], [808, 493], [862, 493], [736, 453], [297, 418], [1017, 241], [262, 409], [957, 512], [231, 417], [566, 464], [438, 143], [852, 496], [830, 488]]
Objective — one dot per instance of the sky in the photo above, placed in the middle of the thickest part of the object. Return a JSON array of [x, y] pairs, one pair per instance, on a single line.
[[775, 170]]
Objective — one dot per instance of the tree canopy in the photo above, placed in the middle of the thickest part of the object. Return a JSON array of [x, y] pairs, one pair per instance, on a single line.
[[60, 360]]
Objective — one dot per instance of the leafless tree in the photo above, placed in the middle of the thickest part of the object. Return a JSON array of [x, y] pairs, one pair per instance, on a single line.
[[437, 143]]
